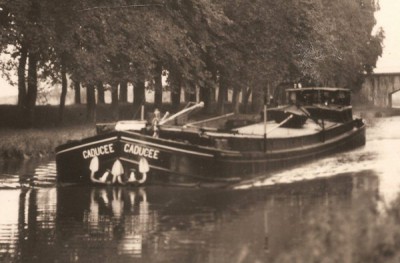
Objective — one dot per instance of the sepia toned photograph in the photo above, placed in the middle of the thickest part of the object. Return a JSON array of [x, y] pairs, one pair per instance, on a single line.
[[200, 131]]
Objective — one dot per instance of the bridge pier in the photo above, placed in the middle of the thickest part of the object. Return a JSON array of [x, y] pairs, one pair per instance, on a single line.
[[378, 89]]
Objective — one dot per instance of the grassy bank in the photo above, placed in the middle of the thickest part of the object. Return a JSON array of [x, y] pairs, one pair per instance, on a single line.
[[47, 116], [48, 132], [36, 143]]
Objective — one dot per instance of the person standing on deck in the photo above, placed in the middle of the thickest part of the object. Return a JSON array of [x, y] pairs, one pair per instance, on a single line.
[[155, 122]]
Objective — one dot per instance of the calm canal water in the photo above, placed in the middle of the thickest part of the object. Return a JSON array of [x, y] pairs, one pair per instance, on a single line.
[[258, 222]]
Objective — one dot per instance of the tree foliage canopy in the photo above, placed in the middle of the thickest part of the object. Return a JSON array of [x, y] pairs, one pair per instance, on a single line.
[[252, 43]]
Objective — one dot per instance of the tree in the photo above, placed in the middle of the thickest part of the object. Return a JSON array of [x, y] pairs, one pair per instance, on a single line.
[[175, 87], [352, 51], [197, 26], [158, 89], [64, 88], [100, 93], [21, 75], [77, 89], [114, 101], [139, 98], [90, 103], [271, 42], [33, 34], [235, 44], [123, 91]]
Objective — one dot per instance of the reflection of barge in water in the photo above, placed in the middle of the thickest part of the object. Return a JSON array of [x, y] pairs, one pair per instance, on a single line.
[[153, 223], [117, 224], [224, 149]]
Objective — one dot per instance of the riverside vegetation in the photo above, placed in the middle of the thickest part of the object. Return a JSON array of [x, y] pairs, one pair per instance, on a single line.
[[197, 44], [37, 143], [41, 140]]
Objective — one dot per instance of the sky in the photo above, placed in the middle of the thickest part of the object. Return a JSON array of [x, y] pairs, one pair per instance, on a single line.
[[6, 89], [388, 17]]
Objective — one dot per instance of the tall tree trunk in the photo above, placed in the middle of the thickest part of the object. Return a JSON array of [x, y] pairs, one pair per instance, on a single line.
[[90, 103], [221, 99], [114, 101], [158, 86], [100, 93], [21, 77], [257, 100], [32, 89], [235, 97], [138, 98], [123, 91], [176, 95], [246, 91], [222, 93], [213, 69], [190, 94], [235, 100], [205, 96], [77, 89], [64, 86], [212, 89]]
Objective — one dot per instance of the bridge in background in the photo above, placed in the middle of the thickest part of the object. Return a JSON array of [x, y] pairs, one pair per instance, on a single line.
[[379, 88]]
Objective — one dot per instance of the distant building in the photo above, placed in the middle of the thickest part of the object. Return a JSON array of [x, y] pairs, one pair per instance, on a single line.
[[378, 88]]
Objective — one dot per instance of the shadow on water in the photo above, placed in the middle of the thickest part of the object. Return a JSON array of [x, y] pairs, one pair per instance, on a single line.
[[166, 224]]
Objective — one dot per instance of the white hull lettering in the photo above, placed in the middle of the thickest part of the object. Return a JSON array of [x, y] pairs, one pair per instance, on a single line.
[[97, 151], [141, 151]]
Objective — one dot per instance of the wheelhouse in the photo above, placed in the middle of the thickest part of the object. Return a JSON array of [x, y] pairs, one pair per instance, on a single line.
[[323, 103], [319, 96]]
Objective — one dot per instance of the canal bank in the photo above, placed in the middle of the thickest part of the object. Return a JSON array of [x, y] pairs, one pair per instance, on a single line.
[[38, 143]]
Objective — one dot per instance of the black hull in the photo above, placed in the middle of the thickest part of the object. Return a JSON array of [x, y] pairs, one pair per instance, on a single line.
[[174, 162]]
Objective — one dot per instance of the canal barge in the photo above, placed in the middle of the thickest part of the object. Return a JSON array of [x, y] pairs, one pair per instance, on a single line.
[[223, 150]]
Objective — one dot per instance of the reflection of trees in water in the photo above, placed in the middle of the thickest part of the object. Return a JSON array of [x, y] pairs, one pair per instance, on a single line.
[[9, 224], [324, 217], [185, 225], [28, 229]]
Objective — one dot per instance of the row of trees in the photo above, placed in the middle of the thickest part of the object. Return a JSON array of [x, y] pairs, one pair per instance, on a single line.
[[246, 46]]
